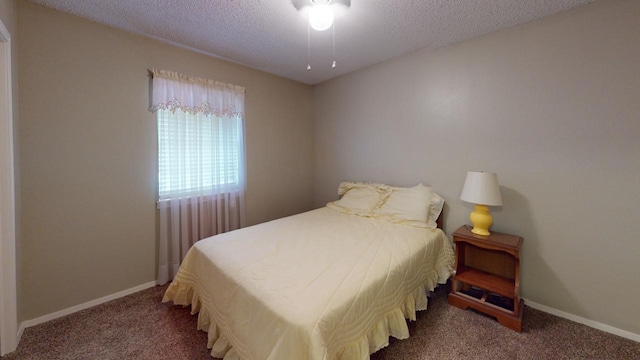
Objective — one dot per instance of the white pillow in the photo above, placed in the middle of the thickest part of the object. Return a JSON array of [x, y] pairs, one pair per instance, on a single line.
[[416, 206], [437, 203], [348, 185], [359, 200], [408, 204]]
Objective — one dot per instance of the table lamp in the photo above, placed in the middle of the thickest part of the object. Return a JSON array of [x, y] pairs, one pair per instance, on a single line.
[[482, 189]]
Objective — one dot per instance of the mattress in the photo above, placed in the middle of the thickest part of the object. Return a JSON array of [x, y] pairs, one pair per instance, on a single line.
[[317, 285]]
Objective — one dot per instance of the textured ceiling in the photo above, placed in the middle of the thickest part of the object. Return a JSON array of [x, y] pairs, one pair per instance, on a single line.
[[271, 35]]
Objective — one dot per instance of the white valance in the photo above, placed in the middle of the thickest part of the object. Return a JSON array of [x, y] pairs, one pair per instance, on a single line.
[[174, 91]]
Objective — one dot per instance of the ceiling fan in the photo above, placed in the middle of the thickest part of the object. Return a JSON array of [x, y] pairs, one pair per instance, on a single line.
[[321, 12]]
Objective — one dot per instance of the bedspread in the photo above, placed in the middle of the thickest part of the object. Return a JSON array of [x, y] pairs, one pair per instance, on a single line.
[[317, 285]]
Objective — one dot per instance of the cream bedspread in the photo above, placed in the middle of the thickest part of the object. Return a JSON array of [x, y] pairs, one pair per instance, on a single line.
[[318, 285]]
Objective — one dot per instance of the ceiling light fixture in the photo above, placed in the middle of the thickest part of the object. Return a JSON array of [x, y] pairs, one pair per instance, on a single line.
[[320, 15]]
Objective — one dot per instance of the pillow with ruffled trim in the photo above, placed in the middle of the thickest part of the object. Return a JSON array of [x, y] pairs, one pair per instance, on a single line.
[[358, 201], [347, 185], [406, 207], [360, 198], [409, 206], [435, 209]]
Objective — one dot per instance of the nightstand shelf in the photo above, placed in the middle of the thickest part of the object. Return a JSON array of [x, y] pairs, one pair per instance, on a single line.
[[487, 275], [487, 281]]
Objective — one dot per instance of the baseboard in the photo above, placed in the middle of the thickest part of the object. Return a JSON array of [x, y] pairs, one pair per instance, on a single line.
[[594, 324], [58, 314]]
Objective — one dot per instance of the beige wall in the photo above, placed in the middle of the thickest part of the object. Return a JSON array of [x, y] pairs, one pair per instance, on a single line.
[[89, 154], [553, 107], [9, 16]]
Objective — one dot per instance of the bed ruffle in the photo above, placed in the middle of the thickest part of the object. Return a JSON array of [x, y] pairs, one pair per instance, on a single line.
[[185, 294], [394, 323]]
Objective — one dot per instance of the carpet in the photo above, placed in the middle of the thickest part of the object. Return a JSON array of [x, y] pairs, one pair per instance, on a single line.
[[139, 326]]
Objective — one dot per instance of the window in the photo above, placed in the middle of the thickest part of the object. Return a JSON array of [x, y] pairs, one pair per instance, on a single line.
[[198, 153], [201, 184]]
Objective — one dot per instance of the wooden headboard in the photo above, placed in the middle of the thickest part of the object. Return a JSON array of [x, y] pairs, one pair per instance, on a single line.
[[439, 220]]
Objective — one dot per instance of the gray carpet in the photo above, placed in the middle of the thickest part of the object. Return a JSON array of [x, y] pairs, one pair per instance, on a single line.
[[140, 327]]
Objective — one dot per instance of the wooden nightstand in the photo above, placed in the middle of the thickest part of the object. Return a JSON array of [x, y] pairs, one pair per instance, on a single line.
[[487, 275]]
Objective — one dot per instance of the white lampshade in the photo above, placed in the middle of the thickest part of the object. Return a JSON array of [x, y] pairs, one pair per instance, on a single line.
[[481, 188], [321, 15]]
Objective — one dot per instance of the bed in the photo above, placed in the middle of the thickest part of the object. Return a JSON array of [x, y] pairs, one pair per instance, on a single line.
[[331, 283]]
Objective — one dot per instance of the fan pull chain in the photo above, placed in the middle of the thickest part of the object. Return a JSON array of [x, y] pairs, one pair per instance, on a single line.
[[308, 46], [333, 65]]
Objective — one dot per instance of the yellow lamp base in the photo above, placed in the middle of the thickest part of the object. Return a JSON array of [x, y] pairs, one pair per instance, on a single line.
[[481, 220]]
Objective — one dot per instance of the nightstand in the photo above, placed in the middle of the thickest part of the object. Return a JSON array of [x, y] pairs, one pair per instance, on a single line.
[[487, 275]]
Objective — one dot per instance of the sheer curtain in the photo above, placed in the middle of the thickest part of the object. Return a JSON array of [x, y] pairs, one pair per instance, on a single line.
[[201, 163]]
